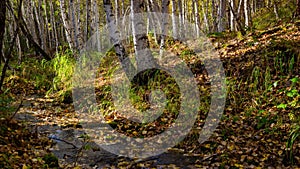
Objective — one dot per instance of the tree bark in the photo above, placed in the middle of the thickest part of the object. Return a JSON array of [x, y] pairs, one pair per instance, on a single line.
[[144, 58], [214, 15], [174, 20], [74, 24], [115, 39], [87, 20], [275, 7], [66, 24], [117, 11], [197, 20], [53, 24], [164, 24], [246, 12], [180, 19], [205, 14], [297, 14], [47, 31], [221, 13], [2, 25], [12, 43], [232, 25], [154, 19], [79, 25], [237, 20], [22, 25]]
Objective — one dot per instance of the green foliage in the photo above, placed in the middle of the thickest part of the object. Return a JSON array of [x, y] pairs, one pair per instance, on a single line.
[[5, 105], [294, 134], [50, 161], [63, 67], [266, 18], [39, 72], [293, 102]]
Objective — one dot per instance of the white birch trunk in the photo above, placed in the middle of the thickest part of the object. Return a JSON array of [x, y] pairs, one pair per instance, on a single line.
[[246, 13], [117, 11], [48, 35], [38, 24], [66, 23], [115, 40], [232, 24], [164, 25], [180, 19], [97, 26], [184, 14], [144, 58], [123, 7], [275, 8], [19, 49], [154, 19], [174, 20], [53, 24], [205, 14], [42, 27], [197, 20], [79, 25], [74, 25]]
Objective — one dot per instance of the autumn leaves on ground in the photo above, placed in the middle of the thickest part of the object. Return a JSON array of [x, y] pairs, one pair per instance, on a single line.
[[259, 127]]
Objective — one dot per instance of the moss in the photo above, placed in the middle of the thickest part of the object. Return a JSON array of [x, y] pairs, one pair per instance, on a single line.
[[51, 161]]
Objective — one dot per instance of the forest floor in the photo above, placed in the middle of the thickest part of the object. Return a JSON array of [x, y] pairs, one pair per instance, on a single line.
[[262, 108]]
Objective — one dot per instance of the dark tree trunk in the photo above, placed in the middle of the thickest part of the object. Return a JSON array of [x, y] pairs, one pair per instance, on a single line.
[[22, 25], [2, 25], [297, 14]]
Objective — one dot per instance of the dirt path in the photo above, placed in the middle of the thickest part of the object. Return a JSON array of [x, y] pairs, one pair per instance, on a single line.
[[58, 122]]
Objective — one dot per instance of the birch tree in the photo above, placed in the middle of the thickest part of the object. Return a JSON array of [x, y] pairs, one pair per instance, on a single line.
[[143, 56], [205, 14], [221, 14], [154, 18], [66, 23], [275, 8], [197, 21], [79, 25], [246, 12], [42, 26], [174, 20], [232, 25], [164, 24], [117, 11], [115, 40], [38, 24], [54, 28], [87, 20], [74, 25], [47, 30], [214, 15], [180, 19], [95, 23], [237, 18]]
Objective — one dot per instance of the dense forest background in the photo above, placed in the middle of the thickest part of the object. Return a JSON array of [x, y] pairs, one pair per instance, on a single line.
[[257, 41]]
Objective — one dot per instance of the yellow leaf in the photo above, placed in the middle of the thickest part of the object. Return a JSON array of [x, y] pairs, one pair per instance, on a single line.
[[207, 145], [77, 167], [231, 147], [24, 166], [238, 165]]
